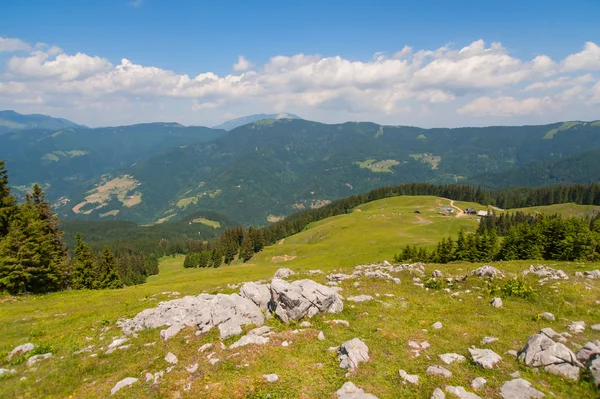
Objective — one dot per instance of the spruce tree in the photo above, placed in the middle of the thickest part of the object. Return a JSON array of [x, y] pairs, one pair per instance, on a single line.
[[247, 249], [84, 267], [7, 201], [106, 275]]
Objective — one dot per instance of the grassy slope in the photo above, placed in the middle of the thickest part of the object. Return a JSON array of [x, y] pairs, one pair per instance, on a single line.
[[306, 369]]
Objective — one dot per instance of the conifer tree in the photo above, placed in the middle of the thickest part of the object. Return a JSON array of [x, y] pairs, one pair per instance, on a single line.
[[247, 249], [106, 275], [7, 201], [84, 268]]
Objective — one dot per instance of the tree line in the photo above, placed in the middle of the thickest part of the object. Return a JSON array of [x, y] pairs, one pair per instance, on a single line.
[[524, 237], [34, 258]]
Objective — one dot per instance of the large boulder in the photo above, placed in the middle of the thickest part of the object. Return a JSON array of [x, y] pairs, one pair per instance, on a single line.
[[303, 298], [260, 294], [487, 271], [594, 367], [519, 389], [484, 357], [351, 391], [351, 353], [283, 273], [227, 312], [589, 349], [547, 272], [541, 351]]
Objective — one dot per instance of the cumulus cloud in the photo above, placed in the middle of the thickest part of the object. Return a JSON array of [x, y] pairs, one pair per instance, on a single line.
[[11, 45], [418, 83], [242, 65]]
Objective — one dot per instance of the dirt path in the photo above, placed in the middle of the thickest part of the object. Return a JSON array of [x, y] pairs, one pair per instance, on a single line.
[[459, 212]]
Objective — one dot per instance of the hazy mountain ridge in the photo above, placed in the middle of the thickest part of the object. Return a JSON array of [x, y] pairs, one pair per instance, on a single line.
[[11, 121], [244, 120]]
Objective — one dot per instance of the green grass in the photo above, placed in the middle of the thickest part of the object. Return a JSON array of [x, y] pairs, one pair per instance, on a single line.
[[565, 126], [566, 210], [378, 167], [210, 223], [60, 322]]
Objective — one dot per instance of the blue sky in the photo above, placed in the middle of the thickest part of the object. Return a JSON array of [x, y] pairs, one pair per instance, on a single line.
[[192, 38]]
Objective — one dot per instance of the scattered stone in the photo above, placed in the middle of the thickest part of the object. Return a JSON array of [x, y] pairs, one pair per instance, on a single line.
[[7, 371], [396, 280], [592, 274], [484, 357], [497, 302], [305, 324], [204, 347], [351, 391], [487, 271], [213, 361], [564, 370], [342, 322], [450, 358], [594, 367], [285, 344], [118, 342], [519, 389], [351, 353], [436, 274], [38, 358], [577, 327], [303, 298], [171, 358], [317, 271], [21, 350], [360, 298], [408, 378], [259, 330], [249, 339], [578, 274], [283, 273], [550, 333], [547, 272], [595, 327], [339, 277], [461, 393], [541, 351], [260, 294], [321, 336], [512, 352], [438, 370], [586, 352], [478, 383], [437, 325], [122, 384], [192, 369], [170, 332], [488, 340], [150, 344], [271, 377], [547, 316], [438, 394]]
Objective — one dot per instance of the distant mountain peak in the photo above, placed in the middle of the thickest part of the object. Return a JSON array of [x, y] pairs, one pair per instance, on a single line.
[[244, 120], [11, 120]]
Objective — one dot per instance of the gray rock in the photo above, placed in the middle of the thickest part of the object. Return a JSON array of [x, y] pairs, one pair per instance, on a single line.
[[351, 391], [408, 378], [271, 378], [553, 335], [259, 330], [478, 383], [378, 274], [249, 339], [547, 316], [170, 332], [488, 340], [321, 336], [484, 357], [213, 361], [461, 393], [497, 302], [516, 374], [283, 273], [192, 369], [547, 272], [227, 312], [38, 358], [594, 367], [260, 294], [204, 347], [595, 327], [171, 358], [592, 274], [450, 358], [438, 370], [7, 371], [360, 298], [436, 274], [578, 274], [305, 324], [303, 298], [540, 351], [437, 325], [351, 353], [487, 271], [122, 384], [339, 277], [117, 342], [519, 389], [438, 394], [564, 370], [316, 271], [586, 352], [21, 350], [577, 327], [512, 352]]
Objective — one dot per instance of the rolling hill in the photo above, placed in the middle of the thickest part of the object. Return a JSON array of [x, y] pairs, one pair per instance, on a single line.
[[244, 120], [11, 121]]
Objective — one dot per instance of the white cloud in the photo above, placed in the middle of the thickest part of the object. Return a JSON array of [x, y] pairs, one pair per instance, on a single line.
[[242, 65], [12, 45], [477, 79], [136, 3], [588, 59]]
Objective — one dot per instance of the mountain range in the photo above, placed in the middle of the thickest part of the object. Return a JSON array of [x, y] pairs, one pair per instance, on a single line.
[[266, 169], [244, 120], [11, 121]]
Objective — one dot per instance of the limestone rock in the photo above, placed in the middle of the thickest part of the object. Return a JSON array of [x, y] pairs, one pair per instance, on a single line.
[[271, 377], [351, 391], [283, 273], [38, 358], [122, 384], [303, 298], [547, 316], [449, 358], [171, 358], [595, 327], [260, 294], [592, 274], [438, 394], [408, 378], [305, 324], [487, 271], [352, 352], [461, 393], [438, 370], [21, 350], [436, 274], [249, 339], [192, 369], [497, 302], [541, 351], [259, 330], [117, 342], [360, 298], [594, 367], [437, 325], [7, 371], [488, 340], [227, 312], [546, 272], [553, 335], [484, 357], [519, 389], [586, 352], [564, 370], [478, 383], [205, 347], [577, 327], [321, 336]]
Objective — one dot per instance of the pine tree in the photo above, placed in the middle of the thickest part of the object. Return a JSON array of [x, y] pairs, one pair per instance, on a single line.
[[7, 201], [216, 258], [247, 249], [84, 268], [106, 274]]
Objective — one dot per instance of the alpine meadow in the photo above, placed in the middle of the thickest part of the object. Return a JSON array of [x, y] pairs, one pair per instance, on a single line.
[[340, 200]]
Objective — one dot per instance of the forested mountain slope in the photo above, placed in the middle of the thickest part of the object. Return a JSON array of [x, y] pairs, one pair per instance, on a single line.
[[11, 120]]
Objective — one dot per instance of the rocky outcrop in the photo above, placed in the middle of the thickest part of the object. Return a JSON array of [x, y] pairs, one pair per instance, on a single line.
[[519, 389], [487, 272], [122, 384], [556, 358], [351, 391], [484, 357], [283, 273], [547, 272], [260, 294], [21, 350], [303, 298], [352, 353]]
